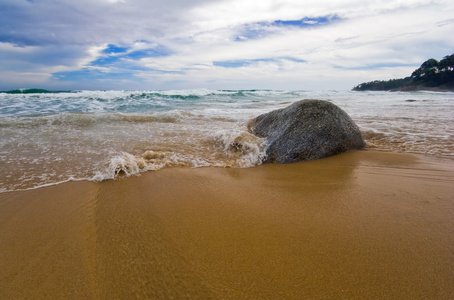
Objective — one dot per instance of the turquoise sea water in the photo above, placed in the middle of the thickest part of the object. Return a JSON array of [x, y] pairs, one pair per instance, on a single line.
[[47, 138]]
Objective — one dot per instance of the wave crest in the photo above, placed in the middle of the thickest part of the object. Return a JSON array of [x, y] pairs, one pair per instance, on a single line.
[[241, 148], [236, 149]]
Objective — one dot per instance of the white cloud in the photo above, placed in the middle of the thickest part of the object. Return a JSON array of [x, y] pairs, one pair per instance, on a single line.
[[92, 53], [368, 40]]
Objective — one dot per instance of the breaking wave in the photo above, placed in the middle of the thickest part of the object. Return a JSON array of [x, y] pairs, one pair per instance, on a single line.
[[237, 149], [51, 137]]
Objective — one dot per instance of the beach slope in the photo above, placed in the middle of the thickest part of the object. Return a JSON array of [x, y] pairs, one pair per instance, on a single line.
[[362, 224]]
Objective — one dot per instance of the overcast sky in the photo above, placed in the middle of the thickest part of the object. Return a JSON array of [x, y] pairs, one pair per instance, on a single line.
[[218, 44]]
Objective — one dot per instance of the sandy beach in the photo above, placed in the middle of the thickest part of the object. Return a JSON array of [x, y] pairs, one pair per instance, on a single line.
[[360, 225]]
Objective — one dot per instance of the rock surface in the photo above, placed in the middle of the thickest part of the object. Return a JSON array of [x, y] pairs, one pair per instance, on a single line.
[[306, 130]]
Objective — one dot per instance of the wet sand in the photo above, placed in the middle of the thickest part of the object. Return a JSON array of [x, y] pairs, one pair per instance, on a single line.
[[361, 225]]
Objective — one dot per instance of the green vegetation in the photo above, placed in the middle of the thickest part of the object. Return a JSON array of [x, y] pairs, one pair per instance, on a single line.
[[432, 75], [383, 85]]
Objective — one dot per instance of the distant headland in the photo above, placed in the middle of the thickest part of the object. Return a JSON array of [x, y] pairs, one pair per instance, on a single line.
[[433, 75]]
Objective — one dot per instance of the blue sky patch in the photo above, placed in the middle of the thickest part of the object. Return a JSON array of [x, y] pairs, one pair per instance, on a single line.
[[114, 55], [376, 66], [246, 62], [93, 74], [307, 22], [154, 52], [112, 49], [262, 29], [105, 61], [89, 75], [252, 32], [120, 62]]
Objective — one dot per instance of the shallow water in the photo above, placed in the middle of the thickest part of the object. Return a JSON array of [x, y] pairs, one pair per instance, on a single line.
[[97, 135]]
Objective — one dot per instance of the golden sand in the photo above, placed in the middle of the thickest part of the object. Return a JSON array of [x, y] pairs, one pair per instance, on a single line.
[[360, 225]]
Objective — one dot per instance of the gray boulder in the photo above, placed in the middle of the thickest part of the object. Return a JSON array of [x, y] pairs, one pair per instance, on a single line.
[[306, 130]]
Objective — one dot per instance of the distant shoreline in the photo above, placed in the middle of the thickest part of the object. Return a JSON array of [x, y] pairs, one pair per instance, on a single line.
[[432, 75], [413, 88]]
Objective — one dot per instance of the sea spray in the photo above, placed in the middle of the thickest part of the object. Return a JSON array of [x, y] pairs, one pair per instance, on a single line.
[[48, 138], [237, 149], [241, 147]]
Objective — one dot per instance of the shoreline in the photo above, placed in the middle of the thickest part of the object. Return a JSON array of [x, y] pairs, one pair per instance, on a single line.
[[411, 88], [362, 224], [415, 88], [370, 147]]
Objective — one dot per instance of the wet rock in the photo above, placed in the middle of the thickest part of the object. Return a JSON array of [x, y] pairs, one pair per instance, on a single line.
[[306, 130]]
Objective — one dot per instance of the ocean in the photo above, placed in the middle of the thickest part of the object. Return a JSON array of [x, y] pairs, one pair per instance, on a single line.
[[48, 138]]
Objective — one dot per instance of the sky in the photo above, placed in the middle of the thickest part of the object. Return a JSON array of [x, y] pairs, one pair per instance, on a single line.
[[218, 44]]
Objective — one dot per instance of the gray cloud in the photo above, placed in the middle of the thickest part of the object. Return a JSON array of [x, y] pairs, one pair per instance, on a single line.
[[39, 38], [32, 23]]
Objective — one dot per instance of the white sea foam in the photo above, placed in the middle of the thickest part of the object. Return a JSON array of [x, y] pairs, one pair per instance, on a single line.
[[98, 135], [238, 149], [127, 164], [242, 148]]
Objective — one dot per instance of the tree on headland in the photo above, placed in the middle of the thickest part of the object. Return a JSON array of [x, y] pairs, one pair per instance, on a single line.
[[431, 74], [382, 85], [434, 73]]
